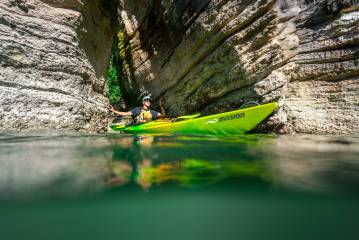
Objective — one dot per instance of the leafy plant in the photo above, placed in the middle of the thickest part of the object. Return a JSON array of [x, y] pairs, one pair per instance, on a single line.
[[113, 83]]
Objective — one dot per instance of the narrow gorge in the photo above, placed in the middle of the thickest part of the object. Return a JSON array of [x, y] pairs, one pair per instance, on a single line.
[[204, 56]]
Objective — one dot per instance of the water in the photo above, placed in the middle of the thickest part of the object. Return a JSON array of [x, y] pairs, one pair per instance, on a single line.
[[57, 185]]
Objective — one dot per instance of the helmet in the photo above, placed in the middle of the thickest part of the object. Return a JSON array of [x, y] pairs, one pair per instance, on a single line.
[[146, 98]]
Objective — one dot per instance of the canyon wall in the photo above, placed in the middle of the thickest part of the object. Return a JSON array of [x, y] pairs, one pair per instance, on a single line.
[[53, 61], [205, 56], [212, 56]]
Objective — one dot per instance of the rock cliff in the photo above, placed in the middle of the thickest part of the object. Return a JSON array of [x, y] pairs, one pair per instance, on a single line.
[[200, 55], [53, 60], [211, 56]]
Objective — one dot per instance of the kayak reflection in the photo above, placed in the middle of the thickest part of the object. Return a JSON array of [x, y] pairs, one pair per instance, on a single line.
[[136, 160], [41, 165], [306, 163]]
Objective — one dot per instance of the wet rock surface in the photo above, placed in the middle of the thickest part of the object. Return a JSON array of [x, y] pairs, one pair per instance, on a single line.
[[53, 60], [211, 56]]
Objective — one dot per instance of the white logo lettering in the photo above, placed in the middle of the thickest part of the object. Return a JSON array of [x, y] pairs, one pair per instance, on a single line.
[[212, 121]]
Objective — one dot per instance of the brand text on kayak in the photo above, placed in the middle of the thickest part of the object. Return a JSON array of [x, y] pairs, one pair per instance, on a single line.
[[232, 117]]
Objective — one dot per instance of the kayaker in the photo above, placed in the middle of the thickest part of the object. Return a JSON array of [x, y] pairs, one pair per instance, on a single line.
[[145, 113]]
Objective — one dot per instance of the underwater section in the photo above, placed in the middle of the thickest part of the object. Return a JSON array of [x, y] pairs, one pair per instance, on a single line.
[[86, 186]]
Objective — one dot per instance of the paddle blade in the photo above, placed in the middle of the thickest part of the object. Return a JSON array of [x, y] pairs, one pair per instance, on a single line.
[[189, 116], [117, 127]]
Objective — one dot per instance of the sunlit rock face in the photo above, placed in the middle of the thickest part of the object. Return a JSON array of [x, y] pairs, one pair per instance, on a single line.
[[53, 60], [211, 56]]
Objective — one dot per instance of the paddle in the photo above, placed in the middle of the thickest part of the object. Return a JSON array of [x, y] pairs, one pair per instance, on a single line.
[[117, 127], [187, 117]]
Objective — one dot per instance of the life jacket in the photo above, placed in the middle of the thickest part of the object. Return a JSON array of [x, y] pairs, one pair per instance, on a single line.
[[145, 115]]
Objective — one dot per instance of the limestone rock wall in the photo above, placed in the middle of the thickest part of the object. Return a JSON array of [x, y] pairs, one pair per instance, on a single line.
[[322, 93], [211, 56], [53, 60]]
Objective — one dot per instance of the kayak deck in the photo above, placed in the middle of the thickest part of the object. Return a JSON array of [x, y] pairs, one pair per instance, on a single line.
[[229, 123]]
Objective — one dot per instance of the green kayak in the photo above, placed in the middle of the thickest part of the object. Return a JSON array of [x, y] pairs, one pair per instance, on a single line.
[[229, 123]]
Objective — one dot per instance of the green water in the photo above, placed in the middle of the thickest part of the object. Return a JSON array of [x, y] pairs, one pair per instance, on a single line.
[[74, 186]]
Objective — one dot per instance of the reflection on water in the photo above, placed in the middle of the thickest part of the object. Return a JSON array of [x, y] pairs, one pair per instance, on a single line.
[[162, 183], [318, 163], [34, 165], [189, 162]]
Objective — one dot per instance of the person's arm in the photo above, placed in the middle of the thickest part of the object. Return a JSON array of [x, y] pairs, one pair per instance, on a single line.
[[120, 113], [162, 112]]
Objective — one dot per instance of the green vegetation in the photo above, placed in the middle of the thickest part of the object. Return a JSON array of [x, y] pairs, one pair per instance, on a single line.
[[120, 62], [114, 90], [114, 72]]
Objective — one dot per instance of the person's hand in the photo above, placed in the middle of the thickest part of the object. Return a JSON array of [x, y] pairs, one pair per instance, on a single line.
[[111, 108]]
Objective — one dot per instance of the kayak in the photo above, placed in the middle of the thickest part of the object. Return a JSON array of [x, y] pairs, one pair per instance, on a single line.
[[229, 123]]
